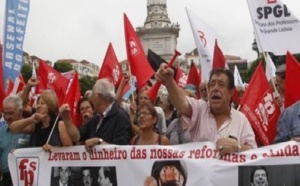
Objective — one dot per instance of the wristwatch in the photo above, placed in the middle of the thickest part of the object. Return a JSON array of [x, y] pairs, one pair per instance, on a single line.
[[100, 141]]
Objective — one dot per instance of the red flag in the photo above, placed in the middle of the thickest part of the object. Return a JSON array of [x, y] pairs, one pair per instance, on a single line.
[[111, 68], [10, 87], [194, 77], [51, 79], [72, 99], [219, 60], [292, 78], [259, 106], [139, 65], [180, 78]]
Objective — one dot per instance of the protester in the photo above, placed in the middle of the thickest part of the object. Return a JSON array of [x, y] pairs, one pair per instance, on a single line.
[[168, 108], [28, 110], [13, 111], [203, 91], [111, 124], [259, 176], [177, 131], [40, 124], [147, 118], [88, 94], [280, 85], [85, 108], [288, 126], [214, 120], [161, 126], [130, 107], [64, 177]]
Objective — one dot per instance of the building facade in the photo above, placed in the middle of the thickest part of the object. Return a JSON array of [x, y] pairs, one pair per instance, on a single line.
[[158, 33]]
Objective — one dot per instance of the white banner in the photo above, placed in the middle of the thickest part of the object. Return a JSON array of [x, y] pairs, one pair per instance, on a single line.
[[276, 28], [190, 164]]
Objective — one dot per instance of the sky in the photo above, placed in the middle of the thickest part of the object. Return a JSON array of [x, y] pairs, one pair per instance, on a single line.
[[82, 29]]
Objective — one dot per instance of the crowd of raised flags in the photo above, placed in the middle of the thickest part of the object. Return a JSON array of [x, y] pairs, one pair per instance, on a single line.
[[257, 103]]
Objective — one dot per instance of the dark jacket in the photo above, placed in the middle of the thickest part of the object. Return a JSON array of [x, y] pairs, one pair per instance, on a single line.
[[114, 129]]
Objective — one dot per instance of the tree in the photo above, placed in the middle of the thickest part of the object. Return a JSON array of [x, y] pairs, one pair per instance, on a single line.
[[63, 67], [26, 71], [87, 83]]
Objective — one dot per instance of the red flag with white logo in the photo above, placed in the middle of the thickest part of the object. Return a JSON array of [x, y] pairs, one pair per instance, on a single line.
[[51, 79], [111, 68], [139, 65], [292, 77], [259, 106], [72, 98]]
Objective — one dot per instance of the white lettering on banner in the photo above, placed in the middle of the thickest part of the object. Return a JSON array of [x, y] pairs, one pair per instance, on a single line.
[[265, 110], [31, 168]]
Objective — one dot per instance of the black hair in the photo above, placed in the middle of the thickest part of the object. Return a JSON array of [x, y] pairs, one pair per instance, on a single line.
[[226, 72], [158, 165], [258, 168]]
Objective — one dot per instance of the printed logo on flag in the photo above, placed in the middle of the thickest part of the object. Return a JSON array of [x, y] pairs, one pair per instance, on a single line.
[[51, 78], [272, 1], [134, 49], [202, 38], [116, 74], [266, 110], [28, 171]]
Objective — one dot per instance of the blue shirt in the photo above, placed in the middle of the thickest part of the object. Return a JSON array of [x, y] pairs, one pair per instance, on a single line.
[[2, 123], [9, 141], [288, 125]]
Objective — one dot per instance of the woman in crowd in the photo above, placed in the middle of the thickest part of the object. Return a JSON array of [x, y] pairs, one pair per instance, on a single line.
[[85, 108], [168, 108], [177, 131], [40, 124], [147, 118]]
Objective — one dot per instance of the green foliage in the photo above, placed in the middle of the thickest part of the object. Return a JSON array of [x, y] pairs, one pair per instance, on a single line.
[[63, 67], [278, 60], [87, 83], [26, 71]]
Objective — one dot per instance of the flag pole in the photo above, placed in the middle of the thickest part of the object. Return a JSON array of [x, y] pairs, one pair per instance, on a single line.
[[131, 83]]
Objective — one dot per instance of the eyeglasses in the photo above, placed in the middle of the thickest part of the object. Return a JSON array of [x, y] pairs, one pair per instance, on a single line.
[[140, 114]]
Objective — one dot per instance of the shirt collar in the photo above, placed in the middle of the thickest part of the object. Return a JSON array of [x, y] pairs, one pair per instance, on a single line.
[[105, 113]]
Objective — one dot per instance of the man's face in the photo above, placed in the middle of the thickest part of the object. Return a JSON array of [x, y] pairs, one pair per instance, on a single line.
[[11, 113], [260, 178], [87, 177], [203, 91], [64, 173], [219, 94], [169, 175], [280, 82]]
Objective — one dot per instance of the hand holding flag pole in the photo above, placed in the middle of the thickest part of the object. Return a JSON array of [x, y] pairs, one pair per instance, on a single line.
[[152, 93]]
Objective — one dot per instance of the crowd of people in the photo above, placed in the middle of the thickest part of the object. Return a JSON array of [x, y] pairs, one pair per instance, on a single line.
[[176, 116]]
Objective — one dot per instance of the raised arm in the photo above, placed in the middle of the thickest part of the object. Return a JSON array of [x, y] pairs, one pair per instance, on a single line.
[[72, 130], [121, 88], [176, 94], [26, 125]]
